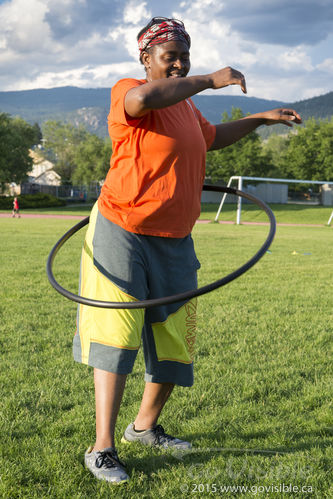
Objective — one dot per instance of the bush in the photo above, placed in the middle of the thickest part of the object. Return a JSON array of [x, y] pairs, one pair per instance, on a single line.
[[38, 200]]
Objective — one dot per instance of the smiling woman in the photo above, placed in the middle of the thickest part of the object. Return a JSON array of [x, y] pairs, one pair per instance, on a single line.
[[138, 245], [169, 60]]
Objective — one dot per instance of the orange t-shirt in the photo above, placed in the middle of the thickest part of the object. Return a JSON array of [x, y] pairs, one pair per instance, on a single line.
[[157, 168]]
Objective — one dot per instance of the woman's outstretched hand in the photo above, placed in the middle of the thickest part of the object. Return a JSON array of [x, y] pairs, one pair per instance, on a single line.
[[230, 132], [228, 76], [282, 115]]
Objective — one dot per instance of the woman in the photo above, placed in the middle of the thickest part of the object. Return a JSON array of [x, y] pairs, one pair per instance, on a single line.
[[139, 245], [16, 209]]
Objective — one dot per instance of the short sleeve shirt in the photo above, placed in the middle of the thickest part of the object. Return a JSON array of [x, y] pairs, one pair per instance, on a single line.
[[157, 166]]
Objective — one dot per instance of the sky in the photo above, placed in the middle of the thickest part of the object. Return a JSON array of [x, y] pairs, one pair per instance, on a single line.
[[283, 47]]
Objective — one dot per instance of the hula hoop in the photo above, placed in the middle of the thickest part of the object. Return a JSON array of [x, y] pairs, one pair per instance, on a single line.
[[177, 297]]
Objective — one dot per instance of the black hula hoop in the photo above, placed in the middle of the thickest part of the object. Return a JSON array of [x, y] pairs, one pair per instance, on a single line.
[[177, 297]]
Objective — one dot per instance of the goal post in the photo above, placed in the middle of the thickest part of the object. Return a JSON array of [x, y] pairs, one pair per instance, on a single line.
[[240, 179], [330, 219]]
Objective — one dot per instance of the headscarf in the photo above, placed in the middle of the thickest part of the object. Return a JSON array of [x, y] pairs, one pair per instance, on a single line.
[[165, 31]]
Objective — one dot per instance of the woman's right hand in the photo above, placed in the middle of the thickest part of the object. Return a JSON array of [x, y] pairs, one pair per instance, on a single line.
[[228, 76]]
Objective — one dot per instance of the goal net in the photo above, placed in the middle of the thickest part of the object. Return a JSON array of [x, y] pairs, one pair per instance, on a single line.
[[240, 180]]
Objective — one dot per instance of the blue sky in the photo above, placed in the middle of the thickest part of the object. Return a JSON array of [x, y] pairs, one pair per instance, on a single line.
[[283, 47]]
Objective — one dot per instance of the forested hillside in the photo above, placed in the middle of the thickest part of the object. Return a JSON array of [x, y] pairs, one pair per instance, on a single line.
[[90, 106]]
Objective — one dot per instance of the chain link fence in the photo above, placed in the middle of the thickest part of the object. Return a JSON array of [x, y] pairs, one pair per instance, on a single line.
[[68, 192]]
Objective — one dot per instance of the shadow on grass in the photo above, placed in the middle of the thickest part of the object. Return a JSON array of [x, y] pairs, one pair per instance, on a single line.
[[164, 459]]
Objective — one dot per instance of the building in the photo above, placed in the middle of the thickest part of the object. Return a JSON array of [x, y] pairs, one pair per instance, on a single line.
[[43, 171]]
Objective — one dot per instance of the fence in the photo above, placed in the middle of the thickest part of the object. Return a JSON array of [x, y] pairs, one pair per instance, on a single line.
[[69, 192]]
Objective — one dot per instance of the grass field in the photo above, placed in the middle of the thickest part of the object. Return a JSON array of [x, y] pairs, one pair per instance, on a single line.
[[259, 413], [284, 213]]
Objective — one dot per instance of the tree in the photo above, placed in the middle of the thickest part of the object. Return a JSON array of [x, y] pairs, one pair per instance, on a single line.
[[16, 138], [79, 156], [92, 158], [38, 133], [61, 141], [309, 153], [245, 157], [275, 146]]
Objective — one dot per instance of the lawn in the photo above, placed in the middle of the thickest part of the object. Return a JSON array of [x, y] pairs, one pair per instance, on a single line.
[[259, 414], [284, 213]]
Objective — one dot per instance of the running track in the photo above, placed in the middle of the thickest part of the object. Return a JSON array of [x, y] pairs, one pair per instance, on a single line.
[[202, 221]]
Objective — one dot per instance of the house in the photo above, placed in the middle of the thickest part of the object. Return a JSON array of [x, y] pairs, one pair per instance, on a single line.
[[43, 171]]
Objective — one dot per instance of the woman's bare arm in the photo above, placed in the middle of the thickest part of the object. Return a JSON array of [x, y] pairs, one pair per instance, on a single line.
[[164, 92], [232, 131]]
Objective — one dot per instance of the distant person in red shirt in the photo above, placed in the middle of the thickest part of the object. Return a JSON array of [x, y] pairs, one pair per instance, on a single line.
[[16, 209]]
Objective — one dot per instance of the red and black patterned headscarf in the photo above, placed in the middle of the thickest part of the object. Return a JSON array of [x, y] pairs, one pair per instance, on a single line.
[[161, 32]]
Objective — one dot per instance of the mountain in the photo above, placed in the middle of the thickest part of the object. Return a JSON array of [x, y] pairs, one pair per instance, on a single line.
[[320, 107], [90, 106]]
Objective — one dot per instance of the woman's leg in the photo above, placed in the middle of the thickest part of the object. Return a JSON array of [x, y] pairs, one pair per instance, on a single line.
[[109, 389], [154, 398]]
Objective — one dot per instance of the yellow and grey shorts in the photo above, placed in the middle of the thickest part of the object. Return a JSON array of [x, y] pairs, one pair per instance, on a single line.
[[118, 265]]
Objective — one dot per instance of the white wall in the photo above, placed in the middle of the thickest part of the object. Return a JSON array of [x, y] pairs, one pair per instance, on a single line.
[[269, 193]]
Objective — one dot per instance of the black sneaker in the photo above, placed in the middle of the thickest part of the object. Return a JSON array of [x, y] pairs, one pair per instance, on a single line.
[[105, 465], [155, 437]]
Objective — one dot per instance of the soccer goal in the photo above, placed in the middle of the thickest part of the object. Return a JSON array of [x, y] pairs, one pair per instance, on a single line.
[[240, 180], [330, 219]]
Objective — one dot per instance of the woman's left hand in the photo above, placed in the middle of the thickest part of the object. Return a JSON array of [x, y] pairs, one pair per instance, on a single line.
[[281, 115]]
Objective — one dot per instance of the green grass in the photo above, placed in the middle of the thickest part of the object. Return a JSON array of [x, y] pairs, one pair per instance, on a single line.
[[77, 209], [284, 213], [259, 413]]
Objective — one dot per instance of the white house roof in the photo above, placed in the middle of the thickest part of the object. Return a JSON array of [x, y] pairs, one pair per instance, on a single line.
[[42, 171], [50, 177]]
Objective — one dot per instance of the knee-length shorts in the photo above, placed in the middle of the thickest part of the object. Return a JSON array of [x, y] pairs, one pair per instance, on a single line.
[[117, 265]]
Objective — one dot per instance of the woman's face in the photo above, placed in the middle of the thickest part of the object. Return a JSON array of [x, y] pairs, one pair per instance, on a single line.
[[167, 60]]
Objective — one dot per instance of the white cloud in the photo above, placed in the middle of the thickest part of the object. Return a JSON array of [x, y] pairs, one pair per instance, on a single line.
[[313, 92], [295, 59], [84, 77], [135, 13], [326, 66], [45, 43], [125, 37], [22, 25]]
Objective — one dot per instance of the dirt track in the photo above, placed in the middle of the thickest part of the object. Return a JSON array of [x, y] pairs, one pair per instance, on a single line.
[[202, 221], [43, 215]]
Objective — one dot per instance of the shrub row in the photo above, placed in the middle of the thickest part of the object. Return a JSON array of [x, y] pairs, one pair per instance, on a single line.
[[38, 200]]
